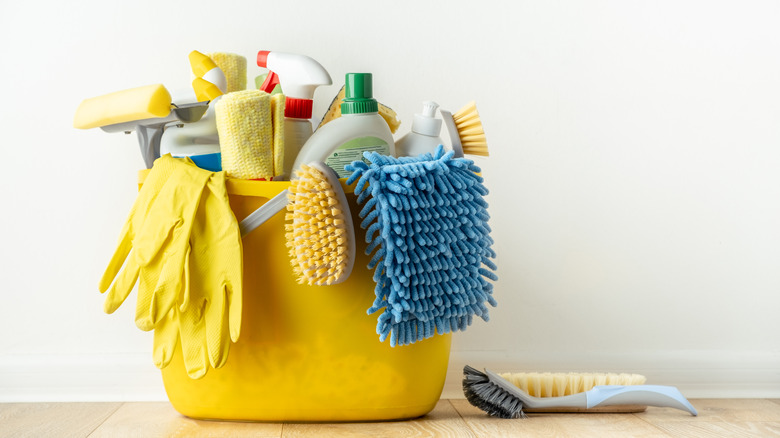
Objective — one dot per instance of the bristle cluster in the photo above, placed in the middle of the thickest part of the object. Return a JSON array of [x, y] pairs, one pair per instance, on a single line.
[[426, 223], [472, 135], [560, 384], [489, 397], [317, 232]]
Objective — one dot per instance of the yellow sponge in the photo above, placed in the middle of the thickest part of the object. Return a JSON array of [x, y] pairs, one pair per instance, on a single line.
[[277, 115], [234, 67], [123, 106], [245, 128], [320, 234], [334, 112]]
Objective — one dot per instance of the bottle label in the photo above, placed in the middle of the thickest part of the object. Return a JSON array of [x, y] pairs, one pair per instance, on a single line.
[[353, 151]]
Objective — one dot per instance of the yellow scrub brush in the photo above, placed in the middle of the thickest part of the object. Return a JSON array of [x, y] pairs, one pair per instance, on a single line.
[[320, 233], [466, 132]]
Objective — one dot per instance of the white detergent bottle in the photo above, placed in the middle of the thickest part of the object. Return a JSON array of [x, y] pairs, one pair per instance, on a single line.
[[299, 76], [359, 129], [424, 136]]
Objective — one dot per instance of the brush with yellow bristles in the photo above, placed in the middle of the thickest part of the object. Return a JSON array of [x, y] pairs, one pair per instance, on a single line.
[[319, 230], [560, 384], [320, 233], [548, 385], [465, 130]]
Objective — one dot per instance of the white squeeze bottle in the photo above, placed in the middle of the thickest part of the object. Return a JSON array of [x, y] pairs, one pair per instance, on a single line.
[[424, 136], [359, 129]]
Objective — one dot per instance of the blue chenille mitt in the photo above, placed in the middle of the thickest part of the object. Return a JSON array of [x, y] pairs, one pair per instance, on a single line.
[[427, 220]]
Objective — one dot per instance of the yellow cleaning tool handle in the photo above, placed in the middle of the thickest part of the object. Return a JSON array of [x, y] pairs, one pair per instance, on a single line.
[[205, 68], [123, 106], [205, 90]]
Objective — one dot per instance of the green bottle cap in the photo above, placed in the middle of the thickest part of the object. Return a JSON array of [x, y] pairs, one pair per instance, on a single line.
[[359, 94]]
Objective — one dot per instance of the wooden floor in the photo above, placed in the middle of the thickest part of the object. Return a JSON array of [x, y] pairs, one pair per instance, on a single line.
[[451, 418]]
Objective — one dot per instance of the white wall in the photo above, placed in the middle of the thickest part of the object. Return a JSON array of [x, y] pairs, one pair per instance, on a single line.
[[634, 174]]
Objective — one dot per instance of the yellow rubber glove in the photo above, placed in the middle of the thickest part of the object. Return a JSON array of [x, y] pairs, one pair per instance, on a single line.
[[159, 247], [208, 317], [158, 176]]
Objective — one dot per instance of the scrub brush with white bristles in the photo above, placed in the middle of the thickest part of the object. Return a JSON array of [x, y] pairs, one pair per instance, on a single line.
[[320, 234], [465, 130]]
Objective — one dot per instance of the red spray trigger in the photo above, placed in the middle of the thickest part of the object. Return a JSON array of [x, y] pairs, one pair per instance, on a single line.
[[270, 82]]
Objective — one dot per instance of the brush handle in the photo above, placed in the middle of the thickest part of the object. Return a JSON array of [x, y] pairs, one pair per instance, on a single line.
[[262, 214], [648, 395], [452, 130]]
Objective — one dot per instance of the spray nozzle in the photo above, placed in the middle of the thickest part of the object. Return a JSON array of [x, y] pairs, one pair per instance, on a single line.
[[298, 76], [427, 123]]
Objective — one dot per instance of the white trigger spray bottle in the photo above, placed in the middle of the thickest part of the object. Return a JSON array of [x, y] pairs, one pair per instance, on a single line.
[[299, 76], [424, 136]]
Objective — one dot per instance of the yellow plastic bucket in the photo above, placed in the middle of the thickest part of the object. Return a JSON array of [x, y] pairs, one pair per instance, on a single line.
[[307, 353]]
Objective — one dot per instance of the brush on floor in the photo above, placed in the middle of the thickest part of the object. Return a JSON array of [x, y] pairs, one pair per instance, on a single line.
[[500, 398]]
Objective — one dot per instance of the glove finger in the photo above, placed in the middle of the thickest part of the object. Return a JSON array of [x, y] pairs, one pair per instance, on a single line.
[[192, 334], [145, 297], [217, 338], [230, 252], [234, 304], [117, 259], [122, 287], [166, 336]]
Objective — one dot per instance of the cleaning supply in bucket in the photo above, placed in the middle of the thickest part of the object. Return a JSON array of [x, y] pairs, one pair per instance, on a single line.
[[233, 66], [426, 221], [154, 242], [360, 129], [146, 110], [199, 141], [334, 112], [246, 133], [299, 76], [465, 130], [207, 318], [320, 234], [206, 70], [181, 244], [424, 136], [150, 101], [500, 398], [319, 230]]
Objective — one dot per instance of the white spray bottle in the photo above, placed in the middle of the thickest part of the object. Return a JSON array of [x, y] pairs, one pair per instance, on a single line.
[[424, 136], [298, 76]]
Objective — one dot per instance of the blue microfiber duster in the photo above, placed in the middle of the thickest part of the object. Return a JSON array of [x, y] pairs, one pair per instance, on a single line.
[[426, 219]]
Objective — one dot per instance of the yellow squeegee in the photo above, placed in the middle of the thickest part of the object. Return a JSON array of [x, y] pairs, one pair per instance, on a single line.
[[146, 110], [123, 106]]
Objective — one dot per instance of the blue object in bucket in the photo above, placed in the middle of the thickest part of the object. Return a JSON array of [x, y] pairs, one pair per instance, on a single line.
[[427, 220], [210, 162]]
